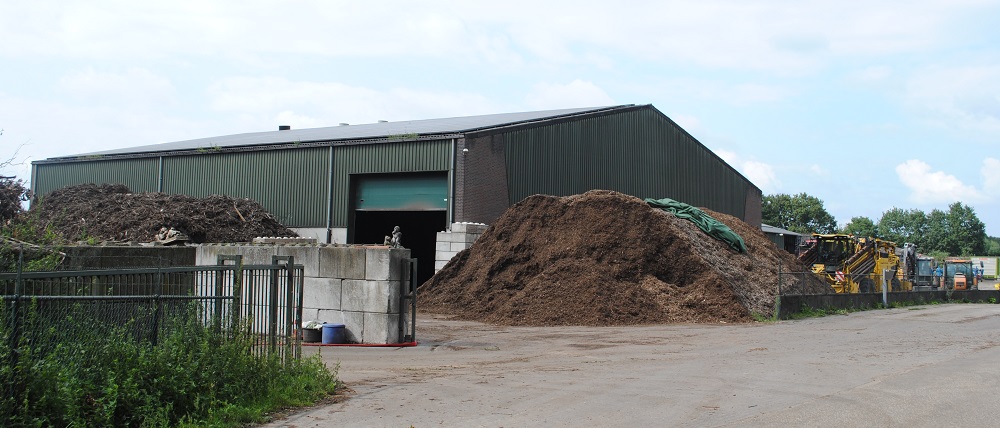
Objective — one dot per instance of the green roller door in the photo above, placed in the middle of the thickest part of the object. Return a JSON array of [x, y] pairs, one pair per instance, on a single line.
[[401, 192]]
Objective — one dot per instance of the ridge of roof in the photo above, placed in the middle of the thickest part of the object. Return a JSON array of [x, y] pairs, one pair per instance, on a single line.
[[369, 131]]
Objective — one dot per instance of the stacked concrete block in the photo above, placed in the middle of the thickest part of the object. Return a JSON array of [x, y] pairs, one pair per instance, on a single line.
[[449, 243], [358, 286]]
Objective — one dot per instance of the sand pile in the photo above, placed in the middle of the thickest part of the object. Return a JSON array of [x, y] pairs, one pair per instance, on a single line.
[[109, 212], [604, 258]]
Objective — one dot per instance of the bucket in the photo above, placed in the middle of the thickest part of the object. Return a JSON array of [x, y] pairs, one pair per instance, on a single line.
[[333, 333], [311, 335]]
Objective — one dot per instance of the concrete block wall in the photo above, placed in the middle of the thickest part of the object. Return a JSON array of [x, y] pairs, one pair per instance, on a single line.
[[358, 286], [458, 238]]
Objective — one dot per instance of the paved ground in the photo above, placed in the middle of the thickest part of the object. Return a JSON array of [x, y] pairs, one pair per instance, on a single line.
[[932, 365]]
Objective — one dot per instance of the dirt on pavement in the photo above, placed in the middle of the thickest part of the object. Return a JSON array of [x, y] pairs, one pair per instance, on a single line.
[[919, 366]]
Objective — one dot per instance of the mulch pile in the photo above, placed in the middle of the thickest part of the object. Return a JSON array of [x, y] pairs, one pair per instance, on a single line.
[[109, 212], [605, 258]]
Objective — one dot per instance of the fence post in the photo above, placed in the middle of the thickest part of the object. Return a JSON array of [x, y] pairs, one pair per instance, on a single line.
[[236, 309], [272, 312], [158, 286], [777, 298], [300, 284], [292, 323], [15, 321]]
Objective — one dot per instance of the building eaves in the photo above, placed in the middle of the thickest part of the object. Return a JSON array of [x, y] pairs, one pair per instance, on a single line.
[[766, 228], [345, 134]]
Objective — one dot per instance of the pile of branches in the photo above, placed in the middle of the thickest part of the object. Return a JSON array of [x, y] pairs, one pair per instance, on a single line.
[[110, 212]]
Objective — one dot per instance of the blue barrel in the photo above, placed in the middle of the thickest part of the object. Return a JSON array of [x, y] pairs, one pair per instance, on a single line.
[[333, 333]]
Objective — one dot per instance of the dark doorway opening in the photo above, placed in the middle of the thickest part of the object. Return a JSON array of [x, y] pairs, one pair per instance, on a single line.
[[419, 229]]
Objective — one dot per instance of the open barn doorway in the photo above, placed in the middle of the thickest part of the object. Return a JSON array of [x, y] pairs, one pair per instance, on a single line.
[[416, 202], [419, 229]]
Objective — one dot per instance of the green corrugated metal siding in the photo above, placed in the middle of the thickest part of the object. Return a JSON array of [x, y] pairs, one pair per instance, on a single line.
[[639, 152], [291, 184], [140, 175], [413, 156]]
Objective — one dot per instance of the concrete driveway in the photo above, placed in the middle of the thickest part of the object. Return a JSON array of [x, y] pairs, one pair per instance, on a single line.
[[932, 365]]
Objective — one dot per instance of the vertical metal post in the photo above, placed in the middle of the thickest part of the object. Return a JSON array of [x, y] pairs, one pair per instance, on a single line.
[[158, 284], [218, 292], [413, 301], [272, 312], [290, 330], [237, 287], [404, 269], [15, 319], [885, 288], [299, 284]]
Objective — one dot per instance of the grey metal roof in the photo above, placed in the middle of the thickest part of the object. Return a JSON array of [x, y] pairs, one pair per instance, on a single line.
[[766, 228], [453, 125]]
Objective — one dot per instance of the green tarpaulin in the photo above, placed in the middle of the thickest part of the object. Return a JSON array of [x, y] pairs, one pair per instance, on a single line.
[[711, 226]]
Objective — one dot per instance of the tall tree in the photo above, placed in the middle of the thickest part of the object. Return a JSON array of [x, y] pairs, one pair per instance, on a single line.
[[936, 235], [799, 213], [902, 226], [967, 231], [861, 226], [958, 232], [991, 246]]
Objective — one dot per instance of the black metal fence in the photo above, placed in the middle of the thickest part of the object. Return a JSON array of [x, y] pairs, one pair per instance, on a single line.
[[45, 308]]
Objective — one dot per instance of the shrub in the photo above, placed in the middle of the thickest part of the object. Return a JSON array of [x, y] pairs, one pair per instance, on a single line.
[[89, 373]]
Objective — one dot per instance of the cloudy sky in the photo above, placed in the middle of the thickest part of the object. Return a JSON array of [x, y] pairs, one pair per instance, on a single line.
[[867, 105]]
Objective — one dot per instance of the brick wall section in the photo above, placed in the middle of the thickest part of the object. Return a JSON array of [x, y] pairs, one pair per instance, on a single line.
[[358, 286], [480, 179]]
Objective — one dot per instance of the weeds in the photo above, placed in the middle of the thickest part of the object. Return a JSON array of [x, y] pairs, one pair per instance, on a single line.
[[83, 371]]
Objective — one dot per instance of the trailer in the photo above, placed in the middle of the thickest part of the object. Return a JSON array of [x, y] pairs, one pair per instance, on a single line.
[[989, 265]]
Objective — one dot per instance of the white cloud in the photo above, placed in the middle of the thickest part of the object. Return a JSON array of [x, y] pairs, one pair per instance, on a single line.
[[760, 173], [728, 156], [991, 176], [927, 186], [690, 123], [303, 103], [959, 97], [134, 86], [736, 93], [51, 129], [577, 93], [818, 169], [778, 36]]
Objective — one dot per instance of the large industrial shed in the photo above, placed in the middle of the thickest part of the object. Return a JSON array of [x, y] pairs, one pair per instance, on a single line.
[[353, 183]]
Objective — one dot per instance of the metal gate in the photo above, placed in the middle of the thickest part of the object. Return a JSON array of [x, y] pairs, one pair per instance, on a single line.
[[408, 301], [266, 299]]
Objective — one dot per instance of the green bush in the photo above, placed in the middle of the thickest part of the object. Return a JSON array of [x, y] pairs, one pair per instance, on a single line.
[[89, 373]]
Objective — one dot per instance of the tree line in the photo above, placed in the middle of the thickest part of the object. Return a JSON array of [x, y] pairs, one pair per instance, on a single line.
[[956, 231]]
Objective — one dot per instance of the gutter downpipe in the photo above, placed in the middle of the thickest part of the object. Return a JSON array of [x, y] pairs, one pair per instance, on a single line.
[[159, 177], [451, 185], [329, 197]]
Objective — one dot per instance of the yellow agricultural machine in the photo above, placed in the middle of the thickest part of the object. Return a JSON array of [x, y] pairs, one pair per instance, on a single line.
[[854, 265]]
